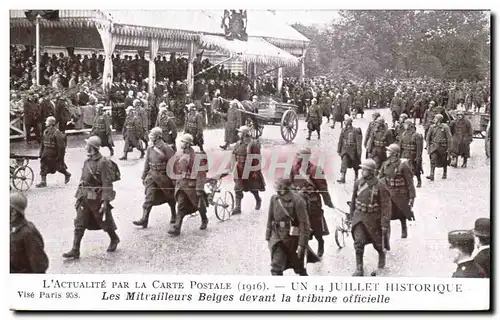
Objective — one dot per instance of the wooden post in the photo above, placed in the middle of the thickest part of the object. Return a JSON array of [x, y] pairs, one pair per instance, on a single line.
[[303, 65], [279, 85], [190, 72], [37, 62], [254, 74]]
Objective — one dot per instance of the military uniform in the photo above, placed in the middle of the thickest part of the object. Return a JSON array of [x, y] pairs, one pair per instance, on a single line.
[[359, 104], [438, 143], [461, 130], [102, 128], [287, 212], [469, 269], [429, 115], [396, 108], [412, 145], [377, 144], [233, 122], [368, 134], [194, 126], [313, 118], [166, 122], [27, 254], [52, 154], [132, 134], [349, 148]]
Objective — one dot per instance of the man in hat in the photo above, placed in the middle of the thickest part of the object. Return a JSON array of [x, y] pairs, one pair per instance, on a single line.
[[370, 214], [194, 126], [438, 143], [349, 149], [412, 145], [191, 169], [462, 245], [159, 186], [132, 133], [52, 152], [93, 198], [313, 119], [27, 254], [482, 233], [311, 181], [166, 122], [461, 130], [102, 128], [247, 163], [397, 175], [233, 122], [287, 231]]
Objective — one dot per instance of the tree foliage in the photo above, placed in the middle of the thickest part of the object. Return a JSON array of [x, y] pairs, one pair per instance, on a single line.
[[370, 44]]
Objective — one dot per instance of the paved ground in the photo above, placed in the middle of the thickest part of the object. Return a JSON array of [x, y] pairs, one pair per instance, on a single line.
[[237, 246]]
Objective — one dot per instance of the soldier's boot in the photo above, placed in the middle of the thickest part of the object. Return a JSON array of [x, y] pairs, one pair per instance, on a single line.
[[321, 247], [356, 172], [276, 273], [309, 135], [464, 165], [111, 151], [67, 177], [319, 135], [43, 182], [237, 207], [362, 116], [258, 200], [454, 161], [173, 215], [144, 220], [124, 157], [204, 220], [359, 265], [333, 124], [74, 253], [431, 176], [175, 230], [113, 242], [225, 146], [419, 181], [142, 153], [404, 229], [381, 259], [445, 172], [342, 178], [201, 148]]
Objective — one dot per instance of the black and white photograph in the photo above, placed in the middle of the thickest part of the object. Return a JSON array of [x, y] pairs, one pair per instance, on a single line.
[[244, 142]]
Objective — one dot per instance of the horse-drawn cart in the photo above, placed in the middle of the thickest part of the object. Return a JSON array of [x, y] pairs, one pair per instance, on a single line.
[[271, 112], [478, 121], [21, 174]]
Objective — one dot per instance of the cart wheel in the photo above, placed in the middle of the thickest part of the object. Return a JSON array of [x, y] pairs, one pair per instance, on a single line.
[[22, 179], [340, 237], [224, 205], [256, 129], [289, 125]]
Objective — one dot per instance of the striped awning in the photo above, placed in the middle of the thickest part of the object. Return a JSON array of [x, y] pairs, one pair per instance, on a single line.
[[67, 19], [255, 50]]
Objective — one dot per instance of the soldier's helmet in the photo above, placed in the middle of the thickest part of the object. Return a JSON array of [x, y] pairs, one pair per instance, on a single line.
[[187, 138], [376, 114], [244, 130], [438, 117], [129, 109], [99, 106], [369, 165], [191, 106], [394, 148], [304, 151], [460, 113], [156, 132], [283, 184], [162, 105], [348, 119], [408, 122], [404, 116], [432, 103], [18, 202], [94, 141], [136, 102], [51, 121]]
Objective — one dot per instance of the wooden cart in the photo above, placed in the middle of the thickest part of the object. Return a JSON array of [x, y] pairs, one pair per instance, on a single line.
[[479, 123]]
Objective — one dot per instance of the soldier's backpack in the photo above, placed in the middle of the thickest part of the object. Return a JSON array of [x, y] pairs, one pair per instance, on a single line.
[[115, 171]]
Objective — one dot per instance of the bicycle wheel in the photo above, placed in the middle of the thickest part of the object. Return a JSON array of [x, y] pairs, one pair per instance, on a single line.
[[224, 205], [22, 179], [340, 237]]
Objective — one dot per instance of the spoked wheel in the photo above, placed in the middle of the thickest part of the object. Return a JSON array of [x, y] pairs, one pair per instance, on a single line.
[[256, 128], [340, 235], [22, 178], [224, 205], [289, 125]]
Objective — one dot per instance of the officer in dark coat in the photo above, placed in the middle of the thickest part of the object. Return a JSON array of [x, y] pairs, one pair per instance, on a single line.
[[166, 122], [370, 214], [93, 198], [194, 126], [52, 152], [349, 149], [482, 233], [132, 133], [247, 163], [461, 131], [313, 119], [287, 231], [191, 171], [159, 186], [462, 243], [32, 117], [101, 127], [27, 254], [438, 143], [412, 146], [61, 113], [310, 180], [233, 122], [397, 175]]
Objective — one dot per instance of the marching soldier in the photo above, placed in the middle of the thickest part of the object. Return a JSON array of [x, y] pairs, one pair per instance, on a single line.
[[287, 230], [462, 243], [370, 213], [349, 149], [398, 177], [438, 142], [359, 104], [194, 126], [396, 107], [233, 122], [461, 130], [142, 115], [93, 198], [398, 128], [412, 145], [247, 179], [430, 114], [310, 179], [370, 130], [132, 133], [380, 138], [102, 128], [482, 233], [27, 253], [166, 122], [313, 118], [189, 194], [159, 186], [52, 152]]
